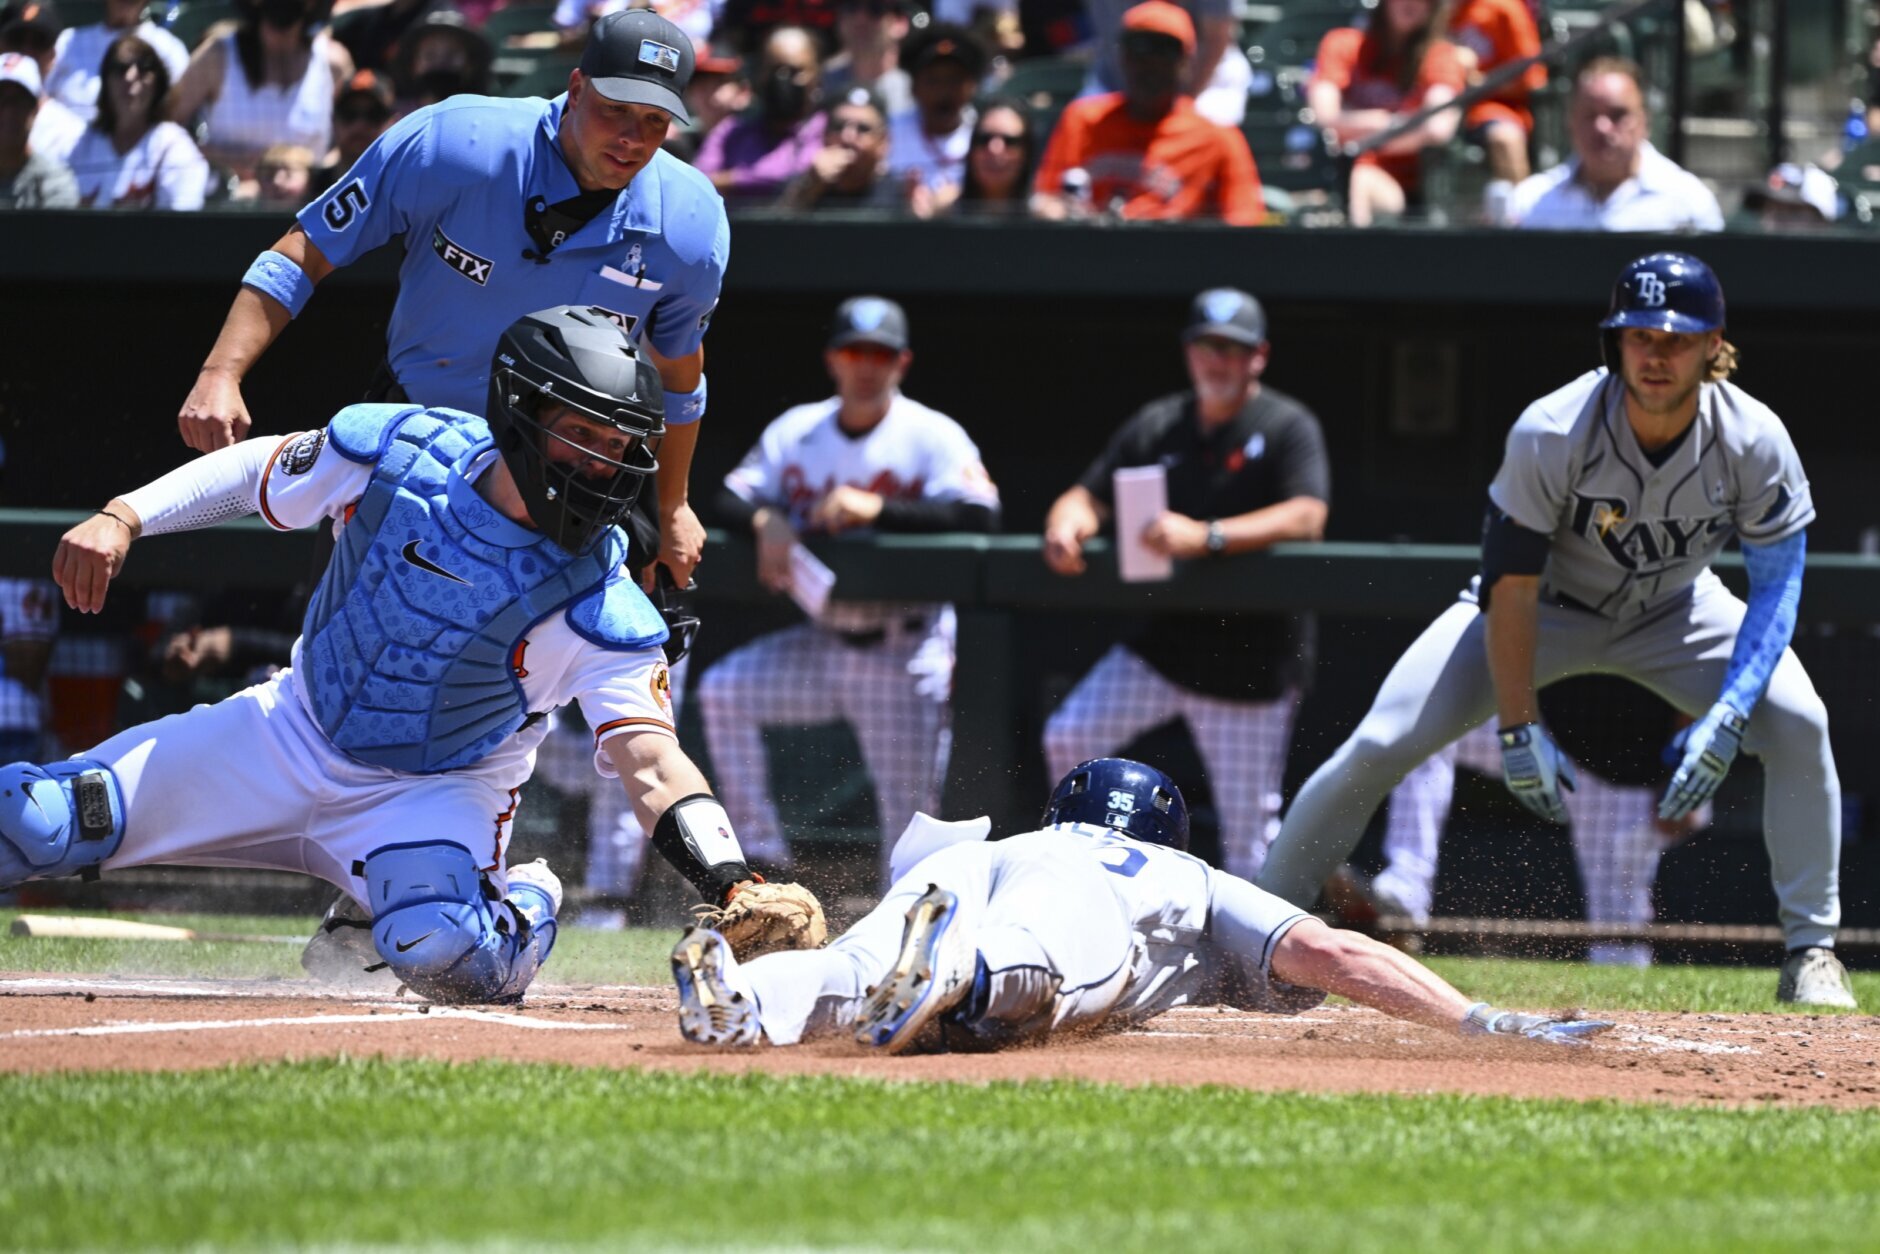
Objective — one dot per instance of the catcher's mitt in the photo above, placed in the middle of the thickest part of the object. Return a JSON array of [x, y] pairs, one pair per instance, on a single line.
[[761, 918]]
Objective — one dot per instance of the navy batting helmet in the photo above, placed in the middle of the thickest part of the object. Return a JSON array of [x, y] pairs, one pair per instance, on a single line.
[[1663, 292], [1136, 800]]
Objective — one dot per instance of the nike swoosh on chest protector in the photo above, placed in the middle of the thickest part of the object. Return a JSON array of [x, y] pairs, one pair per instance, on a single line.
[[411, 554]]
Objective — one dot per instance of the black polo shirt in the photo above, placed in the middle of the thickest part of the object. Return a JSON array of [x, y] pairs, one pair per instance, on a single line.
[[1271, 451]]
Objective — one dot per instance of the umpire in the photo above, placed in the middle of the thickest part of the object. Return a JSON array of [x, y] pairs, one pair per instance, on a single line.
[[507, 206], [1246, 469]]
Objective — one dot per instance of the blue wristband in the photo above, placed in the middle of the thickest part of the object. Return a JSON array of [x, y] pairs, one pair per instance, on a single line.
[[274, 275], [685, 408]]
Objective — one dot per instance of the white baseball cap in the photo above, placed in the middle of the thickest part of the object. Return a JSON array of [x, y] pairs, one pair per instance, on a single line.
[[17, 67]]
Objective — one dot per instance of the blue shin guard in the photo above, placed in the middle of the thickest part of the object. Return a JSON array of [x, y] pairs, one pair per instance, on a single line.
[[439, 925], [59, 819]]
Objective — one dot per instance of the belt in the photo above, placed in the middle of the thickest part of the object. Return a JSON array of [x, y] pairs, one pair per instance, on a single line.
[[1566, 602], [875, 635]]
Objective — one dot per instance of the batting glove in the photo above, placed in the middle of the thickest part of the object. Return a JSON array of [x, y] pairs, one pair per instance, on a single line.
[[1703, 752], [1484, 1020], [1535, 770]]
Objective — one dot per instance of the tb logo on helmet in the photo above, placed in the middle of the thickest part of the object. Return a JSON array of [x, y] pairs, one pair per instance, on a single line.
[[1651, 291]]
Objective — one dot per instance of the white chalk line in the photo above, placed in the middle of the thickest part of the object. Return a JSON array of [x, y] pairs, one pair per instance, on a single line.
[[1657, 1043], [224, 1025], [59, 986]]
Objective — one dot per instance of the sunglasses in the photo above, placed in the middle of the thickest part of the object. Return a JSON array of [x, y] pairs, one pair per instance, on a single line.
[[142, 65], [989, 139]]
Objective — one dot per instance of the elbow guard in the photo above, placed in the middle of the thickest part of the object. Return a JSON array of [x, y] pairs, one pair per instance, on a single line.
[[694, 834], [1508, 548]]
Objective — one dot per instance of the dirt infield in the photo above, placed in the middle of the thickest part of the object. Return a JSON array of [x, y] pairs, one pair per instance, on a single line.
[[52, 1022]]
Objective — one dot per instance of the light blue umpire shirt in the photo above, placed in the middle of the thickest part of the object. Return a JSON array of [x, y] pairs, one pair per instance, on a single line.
[[453, 179]]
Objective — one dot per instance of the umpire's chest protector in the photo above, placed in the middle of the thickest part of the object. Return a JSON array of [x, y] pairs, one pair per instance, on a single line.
[[408, 644]]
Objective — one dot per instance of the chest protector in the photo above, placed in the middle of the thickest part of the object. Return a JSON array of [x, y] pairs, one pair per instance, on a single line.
[[409, 643]]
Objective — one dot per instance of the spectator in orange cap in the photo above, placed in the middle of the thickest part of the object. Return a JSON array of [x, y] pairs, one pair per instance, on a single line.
[[1144, 152], [1489, 34], [1367, 81]]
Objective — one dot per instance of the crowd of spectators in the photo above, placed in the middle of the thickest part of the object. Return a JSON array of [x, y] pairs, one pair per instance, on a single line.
[[894, 106]]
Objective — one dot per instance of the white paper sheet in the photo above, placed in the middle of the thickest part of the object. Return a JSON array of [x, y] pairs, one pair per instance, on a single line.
[[811, 581], [1141, 498]]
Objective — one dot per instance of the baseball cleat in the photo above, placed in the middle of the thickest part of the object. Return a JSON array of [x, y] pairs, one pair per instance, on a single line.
[[711, 1012], [341, 952], [1815, 977], [537, 875], [931, 975]]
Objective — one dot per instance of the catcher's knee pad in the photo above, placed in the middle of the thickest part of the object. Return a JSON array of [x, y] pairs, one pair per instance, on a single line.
[[438, 924], [57, 819]]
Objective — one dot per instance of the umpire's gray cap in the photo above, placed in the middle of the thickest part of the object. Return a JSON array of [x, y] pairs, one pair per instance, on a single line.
[[638, 57], [1226, 313]]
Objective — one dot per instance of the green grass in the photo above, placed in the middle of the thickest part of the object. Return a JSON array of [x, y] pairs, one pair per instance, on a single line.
[[1716, 990], [362, 1154], [638, 956]]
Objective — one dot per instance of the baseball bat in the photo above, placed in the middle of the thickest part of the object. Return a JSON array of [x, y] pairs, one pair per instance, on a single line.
[[84, 927]]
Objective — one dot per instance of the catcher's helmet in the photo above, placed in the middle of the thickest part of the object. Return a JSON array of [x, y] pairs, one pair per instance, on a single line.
[[1136, 800], [582, 359], [1662, 292]]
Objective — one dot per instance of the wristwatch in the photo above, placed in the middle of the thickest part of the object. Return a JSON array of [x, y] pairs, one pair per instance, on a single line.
[[1217, 539]]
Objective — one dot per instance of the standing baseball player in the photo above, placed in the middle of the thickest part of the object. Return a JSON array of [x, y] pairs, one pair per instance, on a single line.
[[1099, 918], [479, 583], [1614, 495], [1247, 469], [506, 206], [1612, 731], [868, 459]]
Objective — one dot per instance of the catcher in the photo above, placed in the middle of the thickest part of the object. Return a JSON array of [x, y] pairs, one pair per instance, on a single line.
[[1100, 918], [478, 582]]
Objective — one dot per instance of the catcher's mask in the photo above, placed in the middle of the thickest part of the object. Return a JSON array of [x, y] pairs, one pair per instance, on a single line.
[[1118, 793], [578, 358]]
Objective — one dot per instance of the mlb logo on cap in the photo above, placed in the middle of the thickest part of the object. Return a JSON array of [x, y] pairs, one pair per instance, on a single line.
[[870, 320], [1227, 313], [1221, 305], [659, 54]]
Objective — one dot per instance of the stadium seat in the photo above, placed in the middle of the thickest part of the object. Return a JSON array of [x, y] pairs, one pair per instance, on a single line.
[[81, 12], [518, 19], [1293, 156], [1047, 84], [1293, 39], [548, 79]]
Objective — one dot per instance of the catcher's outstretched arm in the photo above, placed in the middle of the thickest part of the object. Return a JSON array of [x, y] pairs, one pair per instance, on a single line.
[[672, 801]]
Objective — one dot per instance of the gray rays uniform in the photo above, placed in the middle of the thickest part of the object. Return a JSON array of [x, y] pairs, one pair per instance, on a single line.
[[1627, 590], [1078, 926]]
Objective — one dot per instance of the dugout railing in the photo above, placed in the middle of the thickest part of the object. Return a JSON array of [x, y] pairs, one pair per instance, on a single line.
[[1021, 626]]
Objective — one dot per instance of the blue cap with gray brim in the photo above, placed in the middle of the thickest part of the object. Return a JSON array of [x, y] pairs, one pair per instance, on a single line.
[[870, 320], [1226, 313], [638, 57]]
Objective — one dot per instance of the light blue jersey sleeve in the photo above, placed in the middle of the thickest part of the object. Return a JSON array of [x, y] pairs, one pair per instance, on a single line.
[[379, 198], [699, 236]]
